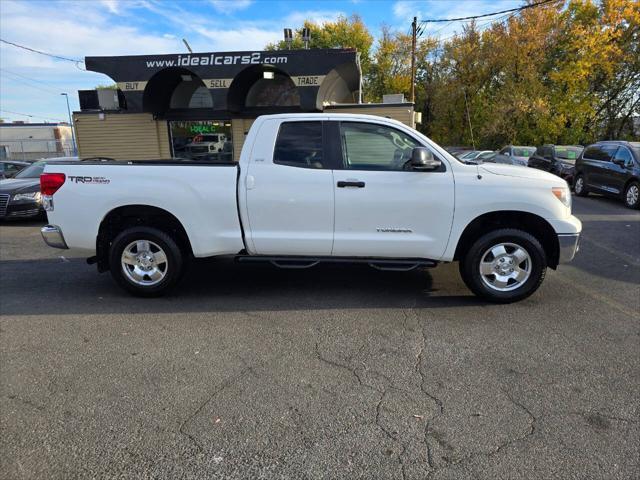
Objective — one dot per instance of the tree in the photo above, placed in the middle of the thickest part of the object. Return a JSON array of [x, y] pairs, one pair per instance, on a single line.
[[345, 32]]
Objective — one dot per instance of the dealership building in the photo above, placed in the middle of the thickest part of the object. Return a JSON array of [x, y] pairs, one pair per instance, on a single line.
[[201, 105]]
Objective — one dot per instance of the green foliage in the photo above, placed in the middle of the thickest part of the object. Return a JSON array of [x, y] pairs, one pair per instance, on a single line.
[[343, 33], [568, 72]]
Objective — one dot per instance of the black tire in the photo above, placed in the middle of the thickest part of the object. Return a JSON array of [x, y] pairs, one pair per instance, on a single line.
[[173, 267], [580, 187], [536, 264], [627, 195]]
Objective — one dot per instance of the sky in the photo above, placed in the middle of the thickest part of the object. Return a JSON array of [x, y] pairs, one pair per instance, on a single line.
[[31, 84]]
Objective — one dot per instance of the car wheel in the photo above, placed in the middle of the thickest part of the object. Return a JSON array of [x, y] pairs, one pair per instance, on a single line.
[[579, 187], [632, 195], [145, 261], [504, 266]]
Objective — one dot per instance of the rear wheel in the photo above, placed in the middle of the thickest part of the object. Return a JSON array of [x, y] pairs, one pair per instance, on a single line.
[[504, 265], [145, 261], [632, 195], [579, 187]]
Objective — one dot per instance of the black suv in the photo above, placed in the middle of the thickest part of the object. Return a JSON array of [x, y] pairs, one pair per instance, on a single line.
[[611, 168], [557, 159]]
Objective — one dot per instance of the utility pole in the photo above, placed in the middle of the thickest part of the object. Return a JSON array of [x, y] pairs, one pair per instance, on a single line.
[[414, 26], [73, 135]]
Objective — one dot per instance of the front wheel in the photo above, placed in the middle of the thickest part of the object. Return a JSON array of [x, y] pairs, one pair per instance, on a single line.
[[632, 195], [504, 266], [145, 261]]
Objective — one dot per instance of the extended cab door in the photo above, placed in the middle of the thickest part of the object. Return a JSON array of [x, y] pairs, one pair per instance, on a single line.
[[289, 190], [383, 209]]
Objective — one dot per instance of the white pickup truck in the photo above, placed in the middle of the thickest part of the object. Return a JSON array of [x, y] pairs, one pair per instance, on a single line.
[[315, 188]]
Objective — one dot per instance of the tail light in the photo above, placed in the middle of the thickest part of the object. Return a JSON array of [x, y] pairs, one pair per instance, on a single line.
[[51, 182]]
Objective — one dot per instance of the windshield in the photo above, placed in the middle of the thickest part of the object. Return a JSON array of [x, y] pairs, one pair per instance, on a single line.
[[523, 151], [568, 154], [32, 171], [210, 138]]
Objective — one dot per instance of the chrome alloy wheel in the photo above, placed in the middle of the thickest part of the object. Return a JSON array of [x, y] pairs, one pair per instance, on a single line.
[[144, 263], [579, 185], [505, 267], [632, 195]]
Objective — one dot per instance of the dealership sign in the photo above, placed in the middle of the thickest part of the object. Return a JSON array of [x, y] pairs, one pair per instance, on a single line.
[[255, 58]]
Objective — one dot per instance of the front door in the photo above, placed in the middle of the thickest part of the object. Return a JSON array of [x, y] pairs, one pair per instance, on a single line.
[[381, 208], [289, 189]]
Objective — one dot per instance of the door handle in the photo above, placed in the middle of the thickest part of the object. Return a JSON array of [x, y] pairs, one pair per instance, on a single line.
[[343, 184]]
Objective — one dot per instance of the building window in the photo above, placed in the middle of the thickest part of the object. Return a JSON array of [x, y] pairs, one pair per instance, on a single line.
[[208, 141]]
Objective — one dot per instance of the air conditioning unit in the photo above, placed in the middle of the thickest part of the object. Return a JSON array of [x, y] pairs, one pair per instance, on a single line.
[[108, 99], [393, 98]]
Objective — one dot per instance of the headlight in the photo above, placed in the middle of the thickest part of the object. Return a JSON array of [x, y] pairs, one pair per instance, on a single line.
[[33, 196], [563, 194]]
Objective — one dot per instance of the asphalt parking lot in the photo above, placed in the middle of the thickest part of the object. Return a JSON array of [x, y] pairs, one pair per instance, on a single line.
[[333, 372]]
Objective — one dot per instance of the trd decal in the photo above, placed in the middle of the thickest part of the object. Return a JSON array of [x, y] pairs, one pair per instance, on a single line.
[[98, 180]]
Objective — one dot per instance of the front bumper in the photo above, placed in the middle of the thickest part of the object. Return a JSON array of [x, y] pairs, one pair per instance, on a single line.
[[569, 246], [22, 210], [52, 236]]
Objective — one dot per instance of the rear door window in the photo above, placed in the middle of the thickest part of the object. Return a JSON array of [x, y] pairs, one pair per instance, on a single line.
[[597, 152], [299, 144]]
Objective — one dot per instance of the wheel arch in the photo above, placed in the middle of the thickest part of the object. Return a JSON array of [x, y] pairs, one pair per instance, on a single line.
[[629, 182], [126, 216], [526, 221]]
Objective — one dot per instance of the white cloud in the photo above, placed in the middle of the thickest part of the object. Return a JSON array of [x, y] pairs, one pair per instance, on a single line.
[[230, 6], [112, 5]]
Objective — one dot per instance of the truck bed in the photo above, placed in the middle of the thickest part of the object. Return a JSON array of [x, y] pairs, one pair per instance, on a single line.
[[202, 195]]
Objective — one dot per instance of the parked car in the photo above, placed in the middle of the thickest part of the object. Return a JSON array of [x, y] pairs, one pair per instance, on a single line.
[[20, 196], [9, 168], [611, 168], [473, 155], [205, 144], [504, 159], [310, 188], [557, 159], [519, 154]]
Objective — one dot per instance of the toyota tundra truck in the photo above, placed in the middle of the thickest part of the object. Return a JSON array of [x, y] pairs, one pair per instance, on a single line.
[[313, 188]]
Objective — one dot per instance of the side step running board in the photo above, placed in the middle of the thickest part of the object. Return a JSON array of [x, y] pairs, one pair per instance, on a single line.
[[298, 262]]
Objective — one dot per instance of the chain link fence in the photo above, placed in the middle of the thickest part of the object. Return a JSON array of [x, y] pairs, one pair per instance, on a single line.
[[29, 149]]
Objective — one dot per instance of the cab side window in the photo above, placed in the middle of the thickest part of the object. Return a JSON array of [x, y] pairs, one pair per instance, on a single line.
[[299, 144], [366, 146]]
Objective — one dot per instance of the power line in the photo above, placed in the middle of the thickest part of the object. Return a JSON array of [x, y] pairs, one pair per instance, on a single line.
[[32, 116], [22, 79], [74, 60], [25, 77], [473, 17]]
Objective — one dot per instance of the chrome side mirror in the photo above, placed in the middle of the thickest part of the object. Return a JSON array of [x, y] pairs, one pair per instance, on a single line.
[[423, 160]]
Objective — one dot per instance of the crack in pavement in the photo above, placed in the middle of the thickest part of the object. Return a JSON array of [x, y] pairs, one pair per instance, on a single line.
[[463, 460], [225, 384], [383, 393], [419, 370], [352, 371]]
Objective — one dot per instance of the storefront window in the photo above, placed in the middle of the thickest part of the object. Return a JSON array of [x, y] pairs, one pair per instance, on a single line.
[[207, 141]]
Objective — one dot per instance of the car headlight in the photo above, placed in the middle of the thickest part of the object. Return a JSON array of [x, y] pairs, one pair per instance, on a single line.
[[33, 196], [563, 194]]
